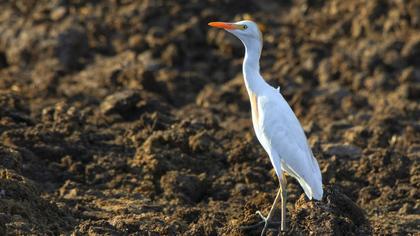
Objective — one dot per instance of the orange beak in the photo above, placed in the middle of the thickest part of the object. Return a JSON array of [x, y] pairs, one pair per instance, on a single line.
[[224, 25]]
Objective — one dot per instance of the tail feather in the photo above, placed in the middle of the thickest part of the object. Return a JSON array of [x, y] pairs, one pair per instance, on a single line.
[[316, 184], [311, 186]]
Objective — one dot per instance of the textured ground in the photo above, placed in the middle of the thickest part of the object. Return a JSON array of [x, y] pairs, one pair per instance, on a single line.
[[128, 117]]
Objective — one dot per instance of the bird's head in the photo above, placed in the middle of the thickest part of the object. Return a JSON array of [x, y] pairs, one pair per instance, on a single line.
[[247, 31]]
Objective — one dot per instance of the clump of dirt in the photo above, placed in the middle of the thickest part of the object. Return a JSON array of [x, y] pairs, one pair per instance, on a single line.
[[24, 211], [334, 215], [131, 117]]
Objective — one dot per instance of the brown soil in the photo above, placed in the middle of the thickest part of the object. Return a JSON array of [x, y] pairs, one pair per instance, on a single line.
[[128, 117]]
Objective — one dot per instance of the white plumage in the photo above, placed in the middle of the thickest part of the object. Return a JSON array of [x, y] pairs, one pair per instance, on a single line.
[[276, 126], [281, 135]]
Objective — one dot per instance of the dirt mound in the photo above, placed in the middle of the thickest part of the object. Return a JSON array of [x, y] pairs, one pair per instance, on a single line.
[[24, 211], [336, 214], [125, 117]]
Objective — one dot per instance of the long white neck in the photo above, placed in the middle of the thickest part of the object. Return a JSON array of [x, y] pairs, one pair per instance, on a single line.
[[251, 67]]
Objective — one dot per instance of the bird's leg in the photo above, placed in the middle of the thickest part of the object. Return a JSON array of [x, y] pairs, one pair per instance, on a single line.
[[267, 219], [283, 184]]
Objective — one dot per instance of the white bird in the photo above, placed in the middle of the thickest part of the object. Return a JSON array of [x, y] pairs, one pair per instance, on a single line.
[[276, 126]]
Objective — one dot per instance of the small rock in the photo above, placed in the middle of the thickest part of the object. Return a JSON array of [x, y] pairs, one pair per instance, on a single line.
[[72, 47], [136, 42], [58, 13], [329, 170], [325, 72], [411, 92], [338, 125], [120, 102], [342, 150], [155, 37], [170, 54], [183, 186], [358, 27], [406, 209], [393, 59], [371, 59], [358, 135], [409, 75], [69, 190], [367, 195], [411, 51], [240, 188], [200, 142]]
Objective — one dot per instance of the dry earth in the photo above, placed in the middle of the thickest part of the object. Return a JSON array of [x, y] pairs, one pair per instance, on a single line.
[[124, 117]]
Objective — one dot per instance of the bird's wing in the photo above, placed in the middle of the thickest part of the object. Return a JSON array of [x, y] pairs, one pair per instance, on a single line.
[[287, 138]]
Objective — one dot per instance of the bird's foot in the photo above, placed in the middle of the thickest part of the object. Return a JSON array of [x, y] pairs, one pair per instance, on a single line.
[[266, 221]]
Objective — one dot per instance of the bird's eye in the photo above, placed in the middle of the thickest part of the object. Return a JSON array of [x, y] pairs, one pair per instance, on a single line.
[[244, 27]]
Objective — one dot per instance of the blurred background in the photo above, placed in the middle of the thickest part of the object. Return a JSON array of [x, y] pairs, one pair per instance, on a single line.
[[121, 117]]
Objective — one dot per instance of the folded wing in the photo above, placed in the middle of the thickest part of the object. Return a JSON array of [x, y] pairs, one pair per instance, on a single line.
[[287, 139]]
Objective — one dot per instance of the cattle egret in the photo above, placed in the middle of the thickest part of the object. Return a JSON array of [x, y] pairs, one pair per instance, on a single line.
[[276, 126]]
